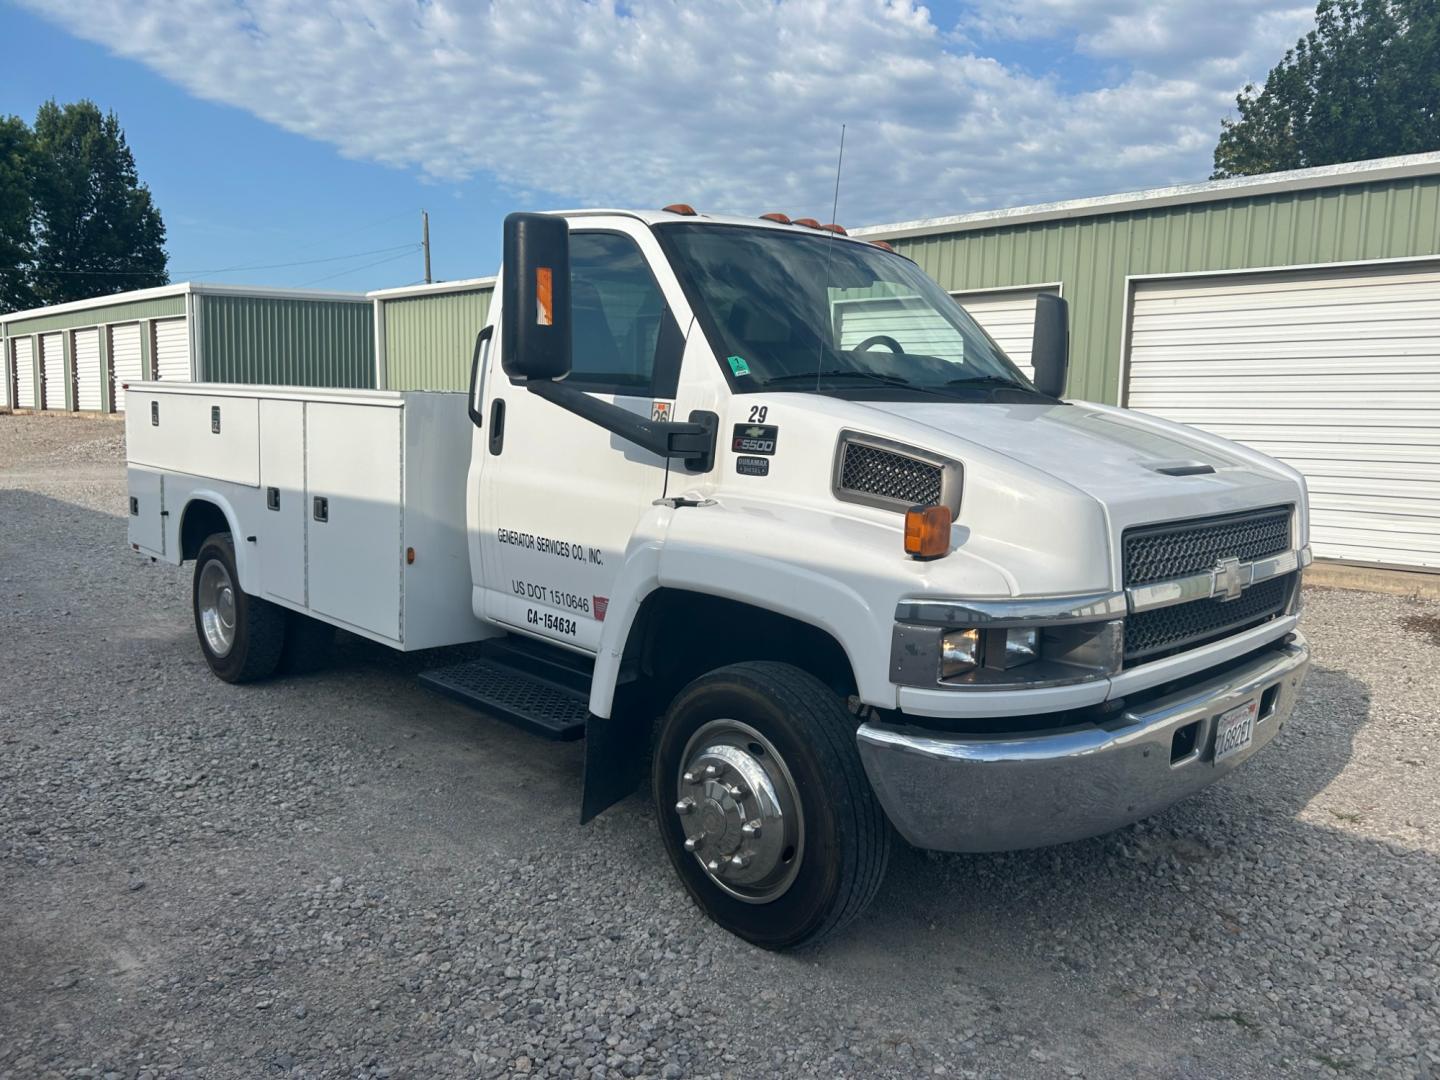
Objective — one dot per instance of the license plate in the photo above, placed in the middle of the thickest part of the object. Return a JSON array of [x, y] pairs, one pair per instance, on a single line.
[[1234, 729]]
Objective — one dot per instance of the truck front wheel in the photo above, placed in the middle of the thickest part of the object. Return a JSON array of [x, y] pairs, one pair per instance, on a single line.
[[764, 806], [241, 635]]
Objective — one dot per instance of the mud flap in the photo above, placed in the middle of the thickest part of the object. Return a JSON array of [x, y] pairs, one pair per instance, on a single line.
[[615, 756]]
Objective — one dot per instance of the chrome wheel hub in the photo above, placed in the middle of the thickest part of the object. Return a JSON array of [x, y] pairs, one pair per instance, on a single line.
[[215, 597], [739, 810]]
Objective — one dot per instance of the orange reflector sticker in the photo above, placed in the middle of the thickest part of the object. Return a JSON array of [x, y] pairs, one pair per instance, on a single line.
[[927, 531], [544, 300]]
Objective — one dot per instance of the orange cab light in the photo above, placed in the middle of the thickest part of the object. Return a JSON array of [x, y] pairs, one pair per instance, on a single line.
[[680, 208], [927, 532], [781, 218], [881, 244], [832, 227], [409, 556], [808, 222]]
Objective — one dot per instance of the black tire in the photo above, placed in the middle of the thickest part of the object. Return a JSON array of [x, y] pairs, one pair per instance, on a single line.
[[309, 644], [846, 837], [259, 629]]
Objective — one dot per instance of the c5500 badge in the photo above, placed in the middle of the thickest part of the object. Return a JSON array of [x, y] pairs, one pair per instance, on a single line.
[[754, 438]]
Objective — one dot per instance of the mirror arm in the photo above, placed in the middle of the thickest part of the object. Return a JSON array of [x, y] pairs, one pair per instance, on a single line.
[[693, 441]]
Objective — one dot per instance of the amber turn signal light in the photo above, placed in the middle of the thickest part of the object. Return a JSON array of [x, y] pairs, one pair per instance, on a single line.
[[927, 532]]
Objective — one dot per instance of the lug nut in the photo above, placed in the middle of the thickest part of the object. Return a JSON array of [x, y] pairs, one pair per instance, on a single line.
[[685, 806], [713, 866], [712, 771], [739, 862], [693, 842], [751, 829], [737, 791], [691, 778]]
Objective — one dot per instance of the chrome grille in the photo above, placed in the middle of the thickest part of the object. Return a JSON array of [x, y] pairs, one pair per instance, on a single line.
[[1177, 548], [907, 481], [1170, 629]]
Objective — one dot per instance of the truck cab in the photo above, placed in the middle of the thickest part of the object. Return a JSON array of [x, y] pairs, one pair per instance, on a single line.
[[762, 513]]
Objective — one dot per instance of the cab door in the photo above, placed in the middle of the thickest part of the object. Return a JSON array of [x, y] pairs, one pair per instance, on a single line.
[[559, 496]]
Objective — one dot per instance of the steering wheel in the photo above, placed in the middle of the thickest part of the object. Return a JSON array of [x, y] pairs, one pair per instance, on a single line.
[[880, 339]]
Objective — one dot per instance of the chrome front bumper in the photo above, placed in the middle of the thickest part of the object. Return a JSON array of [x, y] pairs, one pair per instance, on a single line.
[[1005, 792]]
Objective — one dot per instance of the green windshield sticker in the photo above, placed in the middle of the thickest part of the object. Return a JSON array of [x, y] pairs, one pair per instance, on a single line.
[[738, 366]]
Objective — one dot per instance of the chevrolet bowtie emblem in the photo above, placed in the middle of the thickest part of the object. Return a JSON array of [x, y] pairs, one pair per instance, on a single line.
[[1229, 581]]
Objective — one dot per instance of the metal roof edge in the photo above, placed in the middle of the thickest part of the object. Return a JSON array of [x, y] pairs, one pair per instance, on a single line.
[[177, 288], [1352, 172], [273, 292], [433, 289]]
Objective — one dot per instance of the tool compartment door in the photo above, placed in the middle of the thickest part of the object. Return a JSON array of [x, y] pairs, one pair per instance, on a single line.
[[146, 529], [280, 526], [353, 504]]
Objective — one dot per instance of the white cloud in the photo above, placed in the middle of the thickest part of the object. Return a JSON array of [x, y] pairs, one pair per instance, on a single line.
[[729, 104]]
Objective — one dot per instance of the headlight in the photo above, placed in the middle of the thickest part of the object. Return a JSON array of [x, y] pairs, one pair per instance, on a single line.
[[1021, 647], [959, 653], [1030, 655], [962, 651], [1007, 644]]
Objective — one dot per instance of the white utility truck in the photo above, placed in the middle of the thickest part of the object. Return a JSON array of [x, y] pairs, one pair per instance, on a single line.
[[757, 506]]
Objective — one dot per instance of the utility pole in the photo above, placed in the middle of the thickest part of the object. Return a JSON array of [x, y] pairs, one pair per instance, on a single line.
[[425, 225]]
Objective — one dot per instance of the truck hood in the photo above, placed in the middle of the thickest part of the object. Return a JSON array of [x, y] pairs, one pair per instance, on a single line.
[[1139, 468]]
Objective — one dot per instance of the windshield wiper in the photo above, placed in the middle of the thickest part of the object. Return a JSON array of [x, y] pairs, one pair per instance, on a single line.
[[839, 373], [988, 380]]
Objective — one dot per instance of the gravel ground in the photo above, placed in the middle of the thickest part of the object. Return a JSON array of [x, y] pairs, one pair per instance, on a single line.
[[343, 875]]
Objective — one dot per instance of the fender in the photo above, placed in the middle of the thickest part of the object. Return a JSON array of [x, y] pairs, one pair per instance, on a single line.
[[244, 562], [726, 552]]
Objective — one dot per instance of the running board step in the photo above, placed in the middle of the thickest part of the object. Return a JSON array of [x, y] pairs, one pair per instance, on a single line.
[[537, 704]]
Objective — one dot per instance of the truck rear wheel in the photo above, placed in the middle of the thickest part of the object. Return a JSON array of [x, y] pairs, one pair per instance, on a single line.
[[241, 635], [764, 807]]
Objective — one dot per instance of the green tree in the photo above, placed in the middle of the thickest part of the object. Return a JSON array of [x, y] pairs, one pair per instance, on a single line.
[[96, 229], [17, 235], [1365, 83]]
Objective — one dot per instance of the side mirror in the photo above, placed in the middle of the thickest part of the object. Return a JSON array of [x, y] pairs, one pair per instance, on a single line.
[[1050, 347], [535, 301]]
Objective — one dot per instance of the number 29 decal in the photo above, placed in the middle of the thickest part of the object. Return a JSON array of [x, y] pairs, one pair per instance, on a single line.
[[758, 413]]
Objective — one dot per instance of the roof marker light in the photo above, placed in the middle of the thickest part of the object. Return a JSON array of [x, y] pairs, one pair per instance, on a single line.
[[684, 209], [832, 227], [808, 222], [781, 218], [881, 244]]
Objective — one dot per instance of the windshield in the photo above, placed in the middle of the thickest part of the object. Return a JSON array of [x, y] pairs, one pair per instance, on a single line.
[[791, 311]]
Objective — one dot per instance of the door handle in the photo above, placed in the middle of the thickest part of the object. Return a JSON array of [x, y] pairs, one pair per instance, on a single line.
[[322, 508], [497, 425], [480, 340]]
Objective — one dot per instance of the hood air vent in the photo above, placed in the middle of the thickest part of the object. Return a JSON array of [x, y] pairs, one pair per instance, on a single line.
[[877, 472]]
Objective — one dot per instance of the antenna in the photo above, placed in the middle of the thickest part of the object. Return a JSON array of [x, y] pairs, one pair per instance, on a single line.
[[834, 208]]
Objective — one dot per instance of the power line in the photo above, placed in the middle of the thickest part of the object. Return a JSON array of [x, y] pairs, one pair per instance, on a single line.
[[301, 262], [356, 270]]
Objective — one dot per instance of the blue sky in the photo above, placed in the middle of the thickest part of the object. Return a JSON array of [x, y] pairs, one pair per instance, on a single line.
[[291, 131]]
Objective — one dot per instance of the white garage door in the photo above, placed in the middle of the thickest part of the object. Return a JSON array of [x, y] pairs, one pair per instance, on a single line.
[[1335, 372], [52, 371], [124, 360], [86, 345], [23, 352], [1008, 316], [172, 350]]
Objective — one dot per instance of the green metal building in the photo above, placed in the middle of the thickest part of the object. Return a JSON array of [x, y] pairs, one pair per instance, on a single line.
[[425, 334], [74, 357]]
